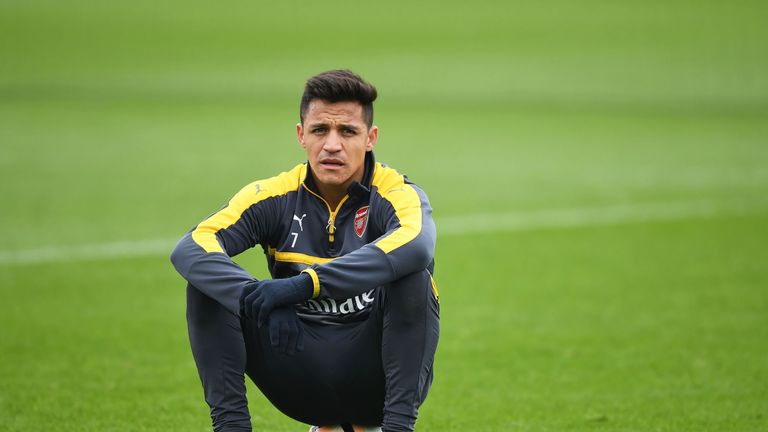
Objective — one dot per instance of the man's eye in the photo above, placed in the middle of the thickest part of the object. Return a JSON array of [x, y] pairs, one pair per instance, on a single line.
[[348, 132], [318, 130]]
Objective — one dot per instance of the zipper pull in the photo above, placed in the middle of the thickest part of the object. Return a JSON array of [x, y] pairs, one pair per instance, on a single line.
[[331, 230]]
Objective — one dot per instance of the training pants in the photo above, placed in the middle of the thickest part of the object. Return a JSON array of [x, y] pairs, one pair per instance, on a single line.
[[372, 372]]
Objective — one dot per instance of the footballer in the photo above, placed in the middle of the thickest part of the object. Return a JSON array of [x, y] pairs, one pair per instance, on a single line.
[[343, 336]]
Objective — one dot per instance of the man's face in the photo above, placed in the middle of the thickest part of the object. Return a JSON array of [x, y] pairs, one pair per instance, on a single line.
[[336, 138]]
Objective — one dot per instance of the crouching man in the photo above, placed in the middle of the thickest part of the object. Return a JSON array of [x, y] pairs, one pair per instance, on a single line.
[[344, 334]]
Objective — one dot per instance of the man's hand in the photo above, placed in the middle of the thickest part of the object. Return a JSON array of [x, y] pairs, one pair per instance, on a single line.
[[260, 297], [286, 333]]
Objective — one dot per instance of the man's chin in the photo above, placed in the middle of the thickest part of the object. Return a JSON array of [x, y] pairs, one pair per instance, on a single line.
[[331, 180]]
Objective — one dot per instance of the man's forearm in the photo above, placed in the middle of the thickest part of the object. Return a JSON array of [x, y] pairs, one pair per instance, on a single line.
[[369, 267], [214, 274]]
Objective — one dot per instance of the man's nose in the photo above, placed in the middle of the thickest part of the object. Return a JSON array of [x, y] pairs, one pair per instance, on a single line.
[[332, 142]]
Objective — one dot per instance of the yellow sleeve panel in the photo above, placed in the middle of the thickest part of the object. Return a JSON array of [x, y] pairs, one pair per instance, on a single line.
[[205, 233], [405, 200]]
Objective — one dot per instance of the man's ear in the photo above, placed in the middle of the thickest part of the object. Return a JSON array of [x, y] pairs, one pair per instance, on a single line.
[[300, 134], [373, 136]]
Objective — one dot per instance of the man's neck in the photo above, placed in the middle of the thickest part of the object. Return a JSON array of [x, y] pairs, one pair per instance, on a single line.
[[332, 194]]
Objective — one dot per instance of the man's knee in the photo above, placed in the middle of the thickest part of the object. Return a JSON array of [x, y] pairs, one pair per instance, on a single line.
[[198, 305], [411, 296], [207, 318]]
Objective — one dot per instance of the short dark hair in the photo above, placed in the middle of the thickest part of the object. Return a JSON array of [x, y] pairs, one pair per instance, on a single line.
[[339, 85]]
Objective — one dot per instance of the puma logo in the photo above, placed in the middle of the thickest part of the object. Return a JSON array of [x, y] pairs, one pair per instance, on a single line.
[[299, 220]]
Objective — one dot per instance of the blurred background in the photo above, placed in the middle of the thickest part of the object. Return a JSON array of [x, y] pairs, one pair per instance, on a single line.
[[598, 172]]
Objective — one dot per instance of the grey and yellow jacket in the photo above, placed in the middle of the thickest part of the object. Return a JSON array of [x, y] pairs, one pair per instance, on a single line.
[[381, 231]]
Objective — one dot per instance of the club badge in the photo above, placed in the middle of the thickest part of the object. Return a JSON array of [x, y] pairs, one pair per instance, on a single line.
[[361, 221]]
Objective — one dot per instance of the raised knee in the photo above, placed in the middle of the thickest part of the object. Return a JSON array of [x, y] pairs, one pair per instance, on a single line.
[[419, 282], [410, 294], [201, 309]]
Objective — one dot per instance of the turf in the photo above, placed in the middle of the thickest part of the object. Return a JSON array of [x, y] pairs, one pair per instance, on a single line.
[[126, 121]]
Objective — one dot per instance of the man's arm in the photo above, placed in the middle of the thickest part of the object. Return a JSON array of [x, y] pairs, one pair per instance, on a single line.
[[407, 246], [202, 256]]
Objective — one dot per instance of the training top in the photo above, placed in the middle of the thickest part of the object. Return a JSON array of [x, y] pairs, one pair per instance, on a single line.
[[381, 231]]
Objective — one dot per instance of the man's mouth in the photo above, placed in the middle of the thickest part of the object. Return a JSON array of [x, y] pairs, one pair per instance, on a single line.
[[331, 163]]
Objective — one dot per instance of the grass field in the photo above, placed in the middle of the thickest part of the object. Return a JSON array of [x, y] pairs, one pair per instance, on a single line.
[[599, 171]]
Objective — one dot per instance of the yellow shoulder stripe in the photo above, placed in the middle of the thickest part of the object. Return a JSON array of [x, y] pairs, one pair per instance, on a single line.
[[205, 233], [405, 200]]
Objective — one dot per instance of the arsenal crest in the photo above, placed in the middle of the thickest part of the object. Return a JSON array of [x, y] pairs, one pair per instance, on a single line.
[[361, 221]]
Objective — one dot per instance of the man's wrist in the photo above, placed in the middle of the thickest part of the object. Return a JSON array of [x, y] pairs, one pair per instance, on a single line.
[[305, 285], [315, 281], [248, 288]]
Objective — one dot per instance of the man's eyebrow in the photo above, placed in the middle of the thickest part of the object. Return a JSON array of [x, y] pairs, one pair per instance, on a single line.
[[349, 126], [338, 125]]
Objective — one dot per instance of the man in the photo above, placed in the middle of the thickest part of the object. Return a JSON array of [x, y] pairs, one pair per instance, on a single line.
[[345, 333]]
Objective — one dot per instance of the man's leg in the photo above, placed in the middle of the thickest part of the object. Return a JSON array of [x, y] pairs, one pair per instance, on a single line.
[[219, 350], [336, 379], [410, 330]]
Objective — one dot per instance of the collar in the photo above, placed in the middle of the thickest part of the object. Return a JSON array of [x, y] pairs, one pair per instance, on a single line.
[[355, 189]]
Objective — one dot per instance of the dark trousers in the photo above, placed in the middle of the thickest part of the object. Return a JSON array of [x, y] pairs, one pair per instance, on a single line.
[[372, 372]]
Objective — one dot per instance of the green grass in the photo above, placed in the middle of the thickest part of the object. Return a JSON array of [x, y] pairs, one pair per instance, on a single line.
[[649, 327], [130, 121]]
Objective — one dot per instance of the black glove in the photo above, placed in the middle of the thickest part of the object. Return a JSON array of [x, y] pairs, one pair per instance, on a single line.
[[272, 293], [286, 332], [247, 289]]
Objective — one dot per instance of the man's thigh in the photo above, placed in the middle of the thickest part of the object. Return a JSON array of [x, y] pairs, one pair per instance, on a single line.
[[338, 377]]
